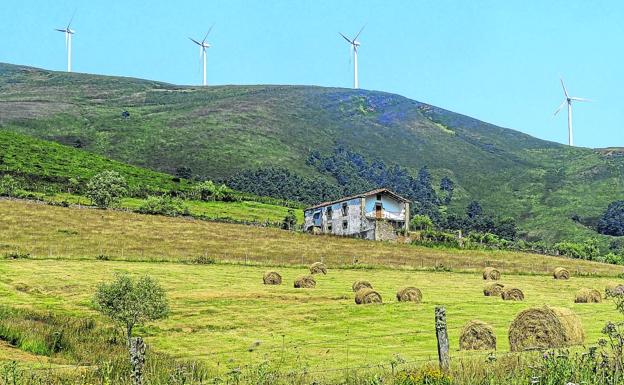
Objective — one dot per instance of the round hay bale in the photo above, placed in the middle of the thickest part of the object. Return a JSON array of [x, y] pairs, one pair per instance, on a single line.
[[588, 296], [318, 268], [545, 328], [614, 290], [493, 289], [305, 282], [477, 335], [512, 294], [357, 285], [272, 278], [366, 295], [561, 273], [491, 273], [409, 294]]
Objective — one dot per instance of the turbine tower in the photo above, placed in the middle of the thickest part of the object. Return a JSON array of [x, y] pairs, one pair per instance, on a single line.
[[203, 45], [68, 38], [354, 47], [568, 100]]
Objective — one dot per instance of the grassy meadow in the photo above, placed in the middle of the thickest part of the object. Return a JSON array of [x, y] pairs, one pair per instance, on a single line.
[[45, 231], [222, 314]]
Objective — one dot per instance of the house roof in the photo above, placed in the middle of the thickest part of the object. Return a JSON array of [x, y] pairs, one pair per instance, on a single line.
[[362, 195]]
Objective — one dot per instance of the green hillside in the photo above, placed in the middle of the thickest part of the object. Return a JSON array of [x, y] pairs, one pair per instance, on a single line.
[[219, 131]]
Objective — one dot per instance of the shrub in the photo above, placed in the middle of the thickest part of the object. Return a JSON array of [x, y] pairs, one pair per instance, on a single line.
[[106, 188], [8, 186], [209, 191], [421, 222], [163, 205], [290, 220]]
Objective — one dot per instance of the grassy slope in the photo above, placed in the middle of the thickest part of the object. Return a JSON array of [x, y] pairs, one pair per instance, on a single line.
[[220, 311], [44, 161], [50, 231], [219, 130], [43, 164]]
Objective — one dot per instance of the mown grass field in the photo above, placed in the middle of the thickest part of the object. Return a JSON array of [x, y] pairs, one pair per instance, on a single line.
[[57, 232], [225, 316]]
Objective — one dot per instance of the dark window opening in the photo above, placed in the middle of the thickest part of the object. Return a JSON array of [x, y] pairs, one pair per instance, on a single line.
[[329, 213], [345, 225], [345, 209], [329, 228], [378, 197]]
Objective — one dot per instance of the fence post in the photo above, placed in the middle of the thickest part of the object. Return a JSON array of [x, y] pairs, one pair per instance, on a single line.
[[442, 336], [137, 359]]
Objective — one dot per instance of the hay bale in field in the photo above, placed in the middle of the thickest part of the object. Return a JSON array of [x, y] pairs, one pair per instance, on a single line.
[[272, 278], [357, 285], [545, 328], [512, 294], [409, 294], [491, 273], [588, 296], [318, 268], [493, 289], [561, 273], [614, 290], [366, 295], [305, 282], [477, 335]]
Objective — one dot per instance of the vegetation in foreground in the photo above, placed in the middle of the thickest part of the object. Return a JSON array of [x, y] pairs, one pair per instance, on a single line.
[[302, 350], [226, 317]]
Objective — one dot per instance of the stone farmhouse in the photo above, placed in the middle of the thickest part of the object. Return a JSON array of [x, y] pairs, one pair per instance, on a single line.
[[375, 215]]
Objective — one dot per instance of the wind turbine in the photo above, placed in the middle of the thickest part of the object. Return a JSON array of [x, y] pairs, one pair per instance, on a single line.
[[203, 45], [568, 100], [354, 46], [68, 36]]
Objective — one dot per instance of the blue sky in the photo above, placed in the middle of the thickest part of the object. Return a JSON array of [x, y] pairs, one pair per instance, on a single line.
[[499, 61]]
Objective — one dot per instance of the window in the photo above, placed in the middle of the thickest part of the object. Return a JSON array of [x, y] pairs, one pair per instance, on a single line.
[[329, 228], [329, 213], [345, 225], [378, 197], [345, 209]]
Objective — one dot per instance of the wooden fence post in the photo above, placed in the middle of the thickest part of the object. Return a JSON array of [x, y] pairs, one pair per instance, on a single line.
[[442, 336], [137, 359]]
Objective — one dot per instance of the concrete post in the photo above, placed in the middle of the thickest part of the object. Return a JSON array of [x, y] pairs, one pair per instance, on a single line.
[[442, 336]]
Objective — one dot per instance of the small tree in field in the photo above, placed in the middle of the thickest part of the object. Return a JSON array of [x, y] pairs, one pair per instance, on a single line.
[[130, 302], [421, 222], [106, 188]]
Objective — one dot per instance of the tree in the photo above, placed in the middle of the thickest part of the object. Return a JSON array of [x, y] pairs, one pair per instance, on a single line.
[[421, 222], [447, 186], [474, 210], [107, 188], [130, 302], [290, 220], [612, 220]]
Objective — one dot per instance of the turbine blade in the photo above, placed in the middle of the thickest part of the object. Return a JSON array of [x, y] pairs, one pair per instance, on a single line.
[[346, 38], [195, 41], [565, 91], [580, 99], [207, 33], [72, 18], [561, 106], [358, 34], [60, 30]]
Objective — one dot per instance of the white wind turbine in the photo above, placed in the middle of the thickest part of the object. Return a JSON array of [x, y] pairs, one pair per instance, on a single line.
[[354, 46], [568, 100], [68, 37], [203, 45]]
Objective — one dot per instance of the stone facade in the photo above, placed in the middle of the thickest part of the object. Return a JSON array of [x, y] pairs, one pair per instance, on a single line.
[[375, 215]]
